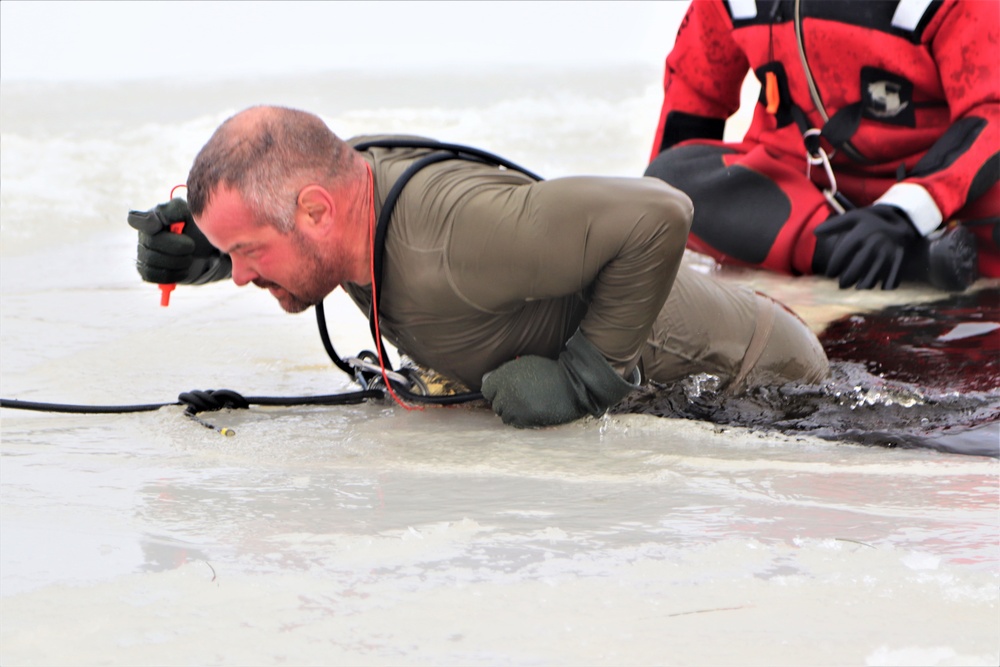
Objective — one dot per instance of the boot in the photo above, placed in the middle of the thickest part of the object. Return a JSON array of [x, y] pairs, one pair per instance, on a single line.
[[947, 261]]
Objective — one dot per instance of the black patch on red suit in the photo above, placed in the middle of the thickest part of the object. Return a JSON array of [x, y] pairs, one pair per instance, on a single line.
[[953, 144], [682, 126], [887, 97], [985, 178], [737, 211]]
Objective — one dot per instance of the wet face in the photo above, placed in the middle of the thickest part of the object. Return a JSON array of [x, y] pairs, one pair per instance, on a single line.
[[291, 266]]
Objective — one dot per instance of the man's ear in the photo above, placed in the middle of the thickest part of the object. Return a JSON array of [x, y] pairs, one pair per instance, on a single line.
[[314, 210]]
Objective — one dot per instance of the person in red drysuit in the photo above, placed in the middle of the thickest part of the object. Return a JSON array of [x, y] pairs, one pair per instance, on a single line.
[[874, 150]]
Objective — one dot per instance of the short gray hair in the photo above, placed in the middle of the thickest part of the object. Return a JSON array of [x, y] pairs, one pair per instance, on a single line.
[[266, 154]]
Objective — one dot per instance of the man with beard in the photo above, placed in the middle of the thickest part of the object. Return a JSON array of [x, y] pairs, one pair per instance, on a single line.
[[550, 296]]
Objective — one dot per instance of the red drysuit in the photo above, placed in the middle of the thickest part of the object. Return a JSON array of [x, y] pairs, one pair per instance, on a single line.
[[907, 94]]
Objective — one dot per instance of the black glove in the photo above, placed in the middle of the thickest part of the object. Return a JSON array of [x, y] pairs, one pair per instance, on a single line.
[[871, 246], [165, 257], [536, 391]]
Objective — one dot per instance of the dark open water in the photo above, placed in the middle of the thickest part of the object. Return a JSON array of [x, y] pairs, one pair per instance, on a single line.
[[923, 375]]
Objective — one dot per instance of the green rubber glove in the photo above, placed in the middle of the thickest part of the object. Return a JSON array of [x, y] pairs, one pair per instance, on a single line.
[[166, 257], [535, 391]]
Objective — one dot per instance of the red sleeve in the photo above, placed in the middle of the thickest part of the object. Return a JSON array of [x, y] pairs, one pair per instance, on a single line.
[[704, 71], [964, 40]]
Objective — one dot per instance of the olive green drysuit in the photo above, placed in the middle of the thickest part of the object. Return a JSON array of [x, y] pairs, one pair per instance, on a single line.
[[483, 264]]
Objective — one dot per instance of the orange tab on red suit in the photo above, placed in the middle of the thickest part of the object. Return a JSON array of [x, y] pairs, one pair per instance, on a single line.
[[771, 92]]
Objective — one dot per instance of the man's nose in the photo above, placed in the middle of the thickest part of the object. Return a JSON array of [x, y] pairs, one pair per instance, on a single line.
[[242, 273]]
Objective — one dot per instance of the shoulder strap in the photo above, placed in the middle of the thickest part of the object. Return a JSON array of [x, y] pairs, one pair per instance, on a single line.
[[460, 151], [378, 246]]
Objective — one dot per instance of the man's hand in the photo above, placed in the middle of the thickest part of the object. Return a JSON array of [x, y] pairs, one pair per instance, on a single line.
[[186, 258], [536, 391], [871, 246]]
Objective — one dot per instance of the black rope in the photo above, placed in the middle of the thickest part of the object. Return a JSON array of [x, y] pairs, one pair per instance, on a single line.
[[404, 392], [211, 400], [444, 399], [199, 401], [324, 336], [15, 404]]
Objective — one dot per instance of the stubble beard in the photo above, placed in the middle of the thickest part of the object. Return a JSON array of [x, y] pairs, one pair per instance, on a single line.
[[318, 276]]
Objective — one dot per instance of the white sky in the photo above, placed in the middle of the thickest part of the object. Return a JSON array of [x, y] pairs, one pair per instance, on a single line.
[[113, 41]]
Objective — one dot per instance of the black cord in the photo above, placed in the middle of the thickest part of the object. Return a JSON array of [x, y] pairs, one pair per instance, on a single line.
[[447, 399], [324, 336], [198, 401], [15, 404], [210, 400]]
